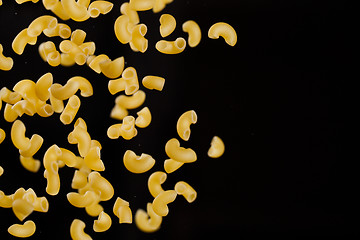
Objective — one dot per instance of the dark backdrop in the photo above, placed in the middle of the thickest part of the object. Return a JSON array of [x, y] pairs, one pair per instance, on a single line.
[[274, 98]]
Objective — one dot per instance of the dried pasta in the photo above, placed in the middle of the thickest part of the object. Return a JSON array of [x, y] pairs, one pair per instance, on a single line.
[[141, 5], [138, 164], [43, 85], [183, 188], [62, 30], [35, 143], [97, 7], [121, 29], [154, 183], [167, 24], [171, 47], [162, 200], [217, 147], [103, 223], [23, 230], [6, 63], [93, 161], [41, 23], [138, 41], [22, 208], [71, 87], [126, 129], [153, 82], [180, 154], [144, 118], [1, 170], [75, 10], [82, 200], [2, 135], [122, 210], [171, 165], [112, 69], [194, 31], [160, 5], [224, 30], [70, 110], [125, 9], [148, 221], [18, 136], [21, 40], [184, 122], [57, 8], [77, 230], [102, 185]]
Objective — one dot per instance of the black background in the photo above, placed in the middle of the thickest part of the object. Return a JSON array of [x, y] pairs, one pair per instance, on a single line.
[[275, 99]]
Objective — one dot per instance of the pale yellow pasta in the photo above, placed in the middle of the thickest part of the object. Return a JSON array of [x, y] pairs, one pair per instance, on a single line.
[[44, 109], [122, 210], [78, 36], [162, 200], [21, 40], [171, 165], [131, 80], [18, 136], [70, 110], [144, 118], [122, 29], [183, 188], [56, 7], [71, 87], [38, 25], [69, 158], [22, 1], [5, 200], [167, 24], [88, 48], [131, 13], [126, 129], [67, 60], [194, 31], [75, 10], [43, 85], [9, 96], [147, 221], [74, 51], [131, 102], [23, 230], [112, 69], [41, 204], [141, 5], [153, 82], [94, 209], [224, 30], [53, 180], [171, 47], [2, 135], [97, 7], [79, 179], [116, 85], [138, 164], [103, 223], [26, 88], [82, 200], [56, 104], [51, 156], [22, 208], [35, 143], [154, 183], [138, 41], [184, 122], [83, 140], [62, 30], [77, 230], [99, 183], [95, 63], [9, 114], [1, 171], [117, 112], [6, 63], [93, 161], [24, 106], [217, 147], [180, 154]]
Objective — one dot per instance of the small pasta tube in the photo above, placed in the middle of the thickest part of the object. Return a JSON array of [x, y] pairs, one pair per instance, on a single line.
[[154, 183], [53, 180], [75, 10], [141, 5], [153, 82], [35, 143], [138, 41], [1, 170], [77, 230], [71, 87], [112, 69], [183, 188], [138, 164], [42, 86], [5, 200], [41, 23], [144, 118], [21, 40], [6, 63], [22, 208], [23, 230], [99, 183], [41, 204], [167, 25], [30, 164], [18, 136], [126, 129], [93, 161], [51, 156], [122, 210], [147, 221], [160, 5], [171, 47], [95, 63], [78, 36], [82, 200], [70, 110], [56, 104], [56, 7], [184, 122], [97, 7], [49, 53], [194, 31], [131, 102], [79, 180], [2, 135], [117, 112], [9, 114], [224, 30], [103, 223], [162, 200], [82, 138], [171, 165], [180, 154], [62, 30], [9, 96], [74, 51], [94, 209], [122, 29], [217, 147], [23, 1], [24, 106], [131, 13]]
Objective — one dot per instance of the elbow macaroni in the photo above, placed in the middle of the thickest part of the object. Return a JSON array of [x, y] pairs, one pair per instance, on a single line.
[[167, 24], [23, 231], [75, 10], [122, 210], [21, 40], [41, 23], [6, 63], [103, 223], [18, 136], [138, 164], [77, 230], [144, 118], [171, 47], [141, 5], [224, 30], [184, 122], [162, 200], [217, 147], [180, 154], [194, 31], [71, 87], [153, 82], [70, 110], [183, 188], [97, 7], [154, 183], [148, 221]]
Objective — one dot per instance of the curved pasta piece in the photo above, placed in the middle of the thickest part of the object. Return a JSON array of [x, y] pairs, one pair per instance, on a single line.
[[93, 161], [131, 102], [224, 30], [35, 143], [82, 200], [138, 164], [30, 164], [217, 147], [53, 180], [154, 183], [167, 25], [71, 87], [23, 230], [82, 138], [153, 82], [183, 188], [41, 23], [99, 183], [138, 41], [2, 135], [51, 156], [127, 129], [144, 118], [21, 40], [43, 85], [41, 204], [9, 114], [56, 7], [147, 221], [162, 200], [75, 10], [18, 136], [62, 30], [194, 31], [171, 165], [103, 223], [95, 63], [122, 210], [184, 122], [171, 47], [22, 208], [5, 200], [94, 210], [131, 13], [1, 170], [77, 230], [121, 29], [6, 63], [97, 7], [70, 110], [141, 5], [112, 69], [180, 154]]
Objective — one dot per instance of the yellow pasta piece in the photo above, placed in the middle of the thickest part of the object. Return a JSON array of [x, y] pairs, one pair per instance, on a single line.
[[51, 156], [71, 87], [41, 204], [95, 63], [171, 47], [126, 130], [67, 60], [56, 104], [94, 210], [93, 161], [141, 5], [53, 180], [22, 208], [43, 85], [23, 230], [180, 154], [131, 13], [30, 164], [122, 210], [78, 36], [2, 135], [79, 180], [82, 138], [97, 7], [77, 230], [1, 173], [49, 53], [35, 143], [23, 1], [217, 147], [144, 118], [194, 31], [9, 114], [184, 122], [138, 41], [224, 30], [88, 48], [5, 200], [62, 30], [103, 223], [171, 165], [18, 136], [38, 25], [162, 200], [138, 164], [6, 63], [74, 51], [183, 188], [148, 221], [117, 112], [154, 183], [99, 183], [167, 24], [131, 102], [56, 7], [153, 82], [82, 200], [75, 10], [24, 106], [112, 69], [21, 40], [70, 110], [122, 27], [8, 96]]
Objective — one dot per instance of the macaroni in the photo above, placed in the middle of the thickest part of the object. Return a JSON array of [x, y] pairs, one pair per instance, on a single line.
[[147, 221], [23, 231], [160, 5], [24, 106], [51, 156], [62, 30], [154, 183], [56, 104], [18, 136], [138, 41], [112, 69], [167, 24], [77, 230], [22, 208], [161, 201], [224, 30], [94, 209], [1, 171], [131, 102], [49, 53], [141, 5], [35, 143], [82, 200], [57, 8], [153, 82], [217, 147], [6, 63], [70, 110], [103, 223], [75, 10], [95, 63], [102, 185], [118, 112], [138, 164], [171, 165], [171, 47], [184, 122], [8, 96], [2, 135], [71, 87], [30, 164], [41, 23], [144, 118], [43, 85], [74, 51], [194, 31], [127, 129], [9, 114], [5, 200], [41, 204], [53, 180], [97, 7], [131, 13], [93, 161], [180, 154], [21, 40], [22, 1], [79, 180], [78, 37], [82, 138], [183, 188], [131, 80], [121, 29], [122, 210]]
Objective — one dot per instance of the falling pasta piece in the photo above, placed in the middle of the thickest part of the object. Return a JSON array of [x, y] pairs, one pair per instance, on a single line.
[[224, 30], [217, 147]]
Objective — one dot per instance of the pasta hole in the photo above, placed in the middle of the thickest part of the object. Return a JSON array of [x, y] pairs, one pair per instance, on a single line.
[[180, 43], [192, 197], [52, 23], [94, 12], [48, 109], [64, 33], [65, 118], [186, 134], [44, 205]]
